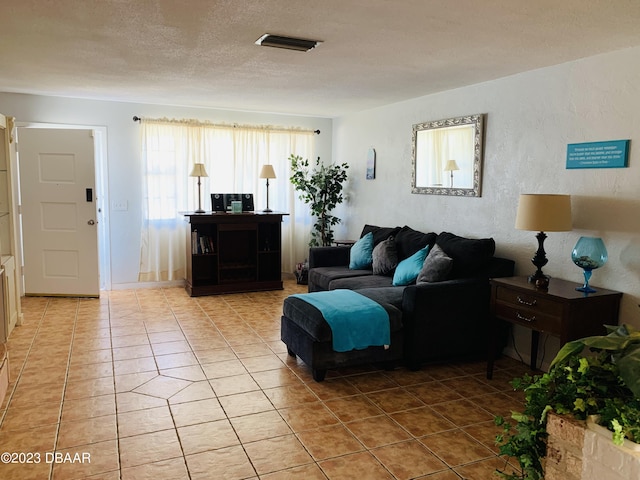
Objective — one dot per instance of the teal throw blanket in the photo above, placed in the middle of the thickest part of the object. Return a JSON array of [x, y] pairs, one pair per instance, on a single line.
[[356, 322]]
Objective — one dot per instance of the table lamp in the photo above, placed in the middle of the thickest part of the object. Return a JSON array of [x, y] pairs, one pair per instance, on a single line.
[[543, 213], [267, 172], [451, 166], [199, 171]]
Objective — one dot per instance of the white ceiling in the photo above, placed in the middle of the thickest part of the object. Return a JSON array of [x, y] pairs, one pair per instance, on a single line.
[[374, 52]]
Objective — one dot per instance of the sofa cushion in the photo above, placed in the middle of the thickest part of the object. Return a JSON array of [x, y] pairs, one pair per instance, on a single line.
[[408, 269], [436, 267], [360, 256], [379, 233], [322, 277], [385, 257], [469, 255], [409, 241], [364, 281]]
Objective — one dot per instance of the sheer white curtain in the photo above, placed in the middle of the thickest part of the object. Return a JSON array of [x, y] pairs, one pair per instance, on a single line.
[[233, 156]]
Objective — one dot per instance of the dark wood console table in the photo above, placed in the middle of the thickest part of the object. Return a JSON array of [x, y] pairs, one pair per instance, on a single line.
[[233, 252], [560, 311]]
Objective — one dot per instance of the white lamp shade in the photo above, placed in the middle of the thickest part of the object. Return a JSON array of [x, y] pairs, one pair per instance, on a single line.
[[198, 170], [544, 213], [451, 166], [267, 171]]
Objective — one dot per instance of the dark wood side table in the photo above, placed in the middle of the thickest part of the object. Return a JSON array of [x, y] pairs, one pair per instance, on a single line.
[[560, 311]]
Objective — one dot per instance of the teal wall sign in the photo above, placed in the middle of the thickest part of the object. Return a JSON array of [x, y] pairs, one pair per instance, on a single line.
[[612, 154]]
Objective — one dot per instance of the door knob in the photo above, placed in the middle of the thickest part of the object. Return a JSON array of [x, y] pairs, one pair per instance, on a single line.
[[91, 222]]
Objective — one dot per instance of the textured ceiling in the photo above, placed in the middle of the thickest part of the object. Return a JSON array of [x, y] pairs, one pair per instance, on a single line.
[[374, 52]]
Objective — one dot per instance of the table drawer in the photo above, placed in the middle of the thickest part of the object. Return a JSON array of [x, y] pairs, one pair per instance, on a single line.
[[529, 301], [529, 318]]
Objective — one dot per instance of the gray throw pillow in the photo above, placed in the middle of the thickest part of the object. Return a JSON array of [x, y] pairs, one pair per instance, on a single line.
[[385, 257], [436, 266]]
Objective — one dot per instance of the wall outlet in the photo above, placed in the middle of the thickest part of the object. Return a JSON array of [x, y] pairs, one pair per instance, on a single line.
[[119, 206]]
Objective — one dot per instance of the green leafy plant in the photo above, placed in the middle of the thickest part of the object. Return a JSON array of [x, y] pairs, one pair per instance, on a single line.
[[320, 187], [592, 376]]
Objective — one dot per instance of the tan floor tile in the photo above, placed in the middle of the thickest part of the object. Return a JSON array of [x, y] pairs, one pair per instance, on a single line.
[[405, 377], [21, 471], [207, 436], [252, 350], [422, 421], [38, 439], [90, 356], [135, 351], [162, 387], [130, 401], [333, 388], [377, 431], [230, 463], [131, 381], [30, 416], [485, 433], [469, 386], [227, 368], [348, 409], [290, 395], [89, 388], [259, 426], [176, 360], [275, 378], [483, 469], [148, 448], [136, 365], [467, 449], [443, 371], [291, 453], [130, 340], [196, 391], [214, 355], [35, 394], [148, 420], [499, 404], [167, 348], [232, 385], [371, 382], [89, 430], [444, 475], [172, 469], [408, 459], [89, 371], [306, 472], [162, 337], [394, 400], [245, 404], [356, 466], [262, 363], [94, 459], [192, 373], [196, 412], [462, 412], [308, 416], [328, 442], [89, 407], [433, 392]]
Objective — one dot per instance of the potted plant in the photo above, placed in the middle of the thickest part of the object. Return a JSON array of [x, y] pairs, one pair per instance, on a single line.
[[597, 377], [320, 187]]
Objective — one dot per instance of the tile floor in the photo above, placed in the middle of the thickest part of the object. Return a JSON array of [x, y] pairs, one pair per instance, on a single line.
[[154, 384]]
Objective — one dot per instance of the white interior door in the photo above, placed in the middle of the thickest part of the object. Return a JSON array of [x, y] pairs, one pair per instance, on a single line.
[[58, 207]]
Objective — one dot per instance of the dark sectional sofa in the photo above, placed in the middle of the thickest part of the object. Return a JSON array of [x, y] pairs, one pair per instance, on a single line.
[[433, 321]]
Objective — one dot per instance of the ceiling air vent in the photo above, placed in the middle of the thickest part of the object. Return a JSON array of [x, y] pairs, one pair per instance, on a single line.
[[290, 43]]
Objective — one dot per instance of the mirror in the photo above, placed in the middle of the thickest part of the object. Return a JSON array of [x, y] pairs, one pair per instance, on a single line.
[[447, 156]]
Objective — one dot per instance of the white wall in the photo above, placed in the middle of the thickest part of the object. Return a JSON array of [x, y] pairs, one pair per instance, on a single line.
[[123, 156], [531, 117]]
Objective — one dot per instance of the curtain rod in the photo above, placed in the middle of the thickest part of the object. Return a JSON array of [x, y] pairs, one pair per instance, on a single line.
[[139, 119]]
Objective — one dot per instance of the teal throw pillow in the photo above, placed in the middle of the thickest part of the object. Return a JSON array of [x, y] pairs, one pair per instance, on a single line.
[[408, 269], [360, 256]]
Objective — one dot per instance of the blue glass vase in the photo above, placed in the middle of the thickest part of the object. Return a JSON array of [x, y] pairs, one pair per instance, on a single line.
[[589, 254]]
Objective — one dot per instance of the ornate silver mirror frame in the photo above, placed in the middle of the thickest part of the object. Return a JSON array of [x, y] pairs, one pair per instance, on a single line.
[[447, 156]]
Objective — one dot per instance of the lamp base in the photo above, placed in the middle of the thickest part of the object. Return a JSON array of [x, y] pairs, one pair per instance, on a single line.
[[200, 210], [540, 280], [267, 210]]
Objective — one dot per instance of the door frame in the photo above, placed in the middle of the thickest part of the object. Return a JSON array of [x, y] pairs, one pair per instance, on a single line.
[[102, 200]]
